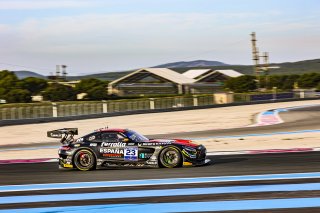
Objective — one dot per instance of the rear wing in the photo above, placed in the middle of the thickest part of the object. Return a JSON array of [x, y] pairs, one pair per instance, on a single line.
[[66, 135], [60, 133]]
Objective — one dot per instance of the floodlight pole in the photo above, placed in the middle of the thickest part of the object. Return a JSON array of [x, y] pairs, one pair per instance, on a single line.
[[255, 57]]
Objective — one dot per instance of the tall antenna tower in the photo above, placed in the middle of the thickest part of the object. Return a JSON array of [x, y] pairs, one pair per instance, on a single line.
[[64, 71], [57, 71], [265, 68], [255, 54], [266, 62], [258, 68]]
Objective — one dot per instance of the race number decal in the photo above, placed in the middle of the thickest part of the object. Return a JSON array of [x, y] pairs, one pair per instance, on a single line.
[[131, 153]]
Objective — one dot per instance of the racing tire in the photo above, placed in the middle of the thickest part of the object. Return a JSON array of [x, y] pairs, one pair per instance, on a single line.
[[84, 160], [170, 157]]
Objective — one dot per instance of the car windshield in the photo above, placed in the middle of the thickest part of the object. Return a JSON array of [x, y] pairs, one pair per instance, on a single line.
[[136, 137]]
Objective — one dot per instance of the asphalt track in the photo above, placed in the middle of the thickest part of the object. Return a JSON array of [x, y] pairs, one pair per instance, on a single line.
[[220, 166], [231, 165]]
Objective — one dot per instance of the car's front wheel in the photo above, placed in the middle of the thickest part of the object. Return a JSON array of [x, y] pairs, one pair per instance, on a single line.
[[84, 160], [170, 157]]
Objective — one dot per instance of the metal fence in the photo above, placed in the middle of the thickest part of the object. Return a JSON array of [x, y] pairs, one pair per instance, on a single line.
[[98, 107]]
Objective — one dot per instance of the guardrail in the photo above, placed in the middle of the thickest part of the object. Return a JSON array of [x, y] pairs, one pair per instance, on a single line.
[[129, 106]]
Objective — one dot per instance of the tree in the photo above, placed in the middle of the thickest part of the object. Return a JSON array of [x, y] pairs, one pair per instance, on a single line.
[[86, 84], [34, 85], [8, 87], [18, 96], [3, 93], [8, 80], [284, 82], [59, 92], [97, 93], [309, 80], [244, 83], [289, 82]]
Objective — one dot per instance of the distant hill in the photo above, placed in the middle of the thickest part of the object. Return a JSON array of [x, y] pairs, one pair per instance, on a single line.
[[197, 63], [108, 76], [25, 74], [299, 67], [286, 68]]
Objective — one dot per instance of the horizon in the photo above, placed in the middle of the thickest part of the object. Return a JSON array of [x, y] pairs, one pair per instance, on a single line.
[[104, 36], [102, 72]]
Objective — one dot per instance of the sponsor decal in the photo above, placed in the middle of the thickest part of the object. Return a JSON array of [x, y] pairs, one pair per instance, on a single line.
[[142, 155], [112, 155], [79, 140], [187, 164], [107, 144], [56, 135], [165, 141], [111, 151], [67, 165], [99, 162], [93, 144], [131, 144], [153, 143], [133, 165], [145, 155], [91, 138], [131, 153], [152, 162]]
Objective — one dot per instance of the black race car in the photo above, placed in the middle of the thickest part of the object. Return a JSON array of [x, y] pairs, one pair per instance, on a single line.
[[124, 148]]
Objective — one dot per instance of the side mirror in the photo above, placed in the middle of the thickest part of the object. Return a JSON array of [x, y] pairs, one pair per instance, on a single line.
[[125, 140]]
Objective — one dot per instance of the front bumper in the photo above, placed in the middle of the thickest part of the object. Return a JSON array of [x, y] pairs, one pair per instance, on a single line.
[[197, 159]]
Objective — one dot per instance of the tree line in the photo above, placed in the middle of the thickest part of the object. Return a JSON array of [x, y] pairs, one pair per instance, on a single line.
[[247, 83], [14, 90]]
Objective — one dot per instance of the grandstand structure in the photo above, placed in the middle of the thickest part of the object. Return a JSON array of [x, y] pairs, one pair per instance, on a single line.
[[209, 80], [150, 81], [159, 81]]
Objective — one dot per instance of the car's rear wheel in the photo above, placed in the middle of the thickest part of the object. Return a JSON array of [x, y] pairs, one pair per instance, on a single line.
[[84, 160], [170, 157]]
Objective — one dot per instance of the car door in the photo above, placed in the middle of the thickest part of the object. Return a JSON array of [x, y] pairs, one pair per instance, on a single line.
[[112, 146]]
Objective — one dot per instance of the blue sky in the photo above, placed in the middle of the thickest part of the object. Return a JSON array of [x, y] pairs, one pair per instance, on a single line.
[[92, 36]]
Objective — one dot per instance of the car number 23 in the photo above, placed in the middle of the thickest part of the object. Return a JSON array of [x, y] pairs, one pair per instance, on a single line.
[[131, 153]]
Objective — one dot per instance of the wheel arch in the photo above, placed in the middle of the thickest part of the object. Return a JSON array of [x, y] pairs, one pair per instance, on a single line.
[[174, 146], [88, 149]]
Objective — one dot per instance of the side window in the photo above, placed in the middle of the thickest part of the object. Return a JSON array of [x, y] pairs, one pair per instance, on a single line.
[[121, 137], [110, 137], [113, 137], [94, 137]]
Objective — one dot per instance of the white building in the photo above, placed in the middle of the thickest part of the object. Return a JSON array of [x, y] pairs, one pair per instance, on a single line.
[[150, 81]]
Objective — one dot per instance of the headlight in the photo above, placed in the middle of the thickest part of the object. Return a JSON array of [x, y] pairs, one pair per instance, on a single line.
[[189, 149], [200, 147]]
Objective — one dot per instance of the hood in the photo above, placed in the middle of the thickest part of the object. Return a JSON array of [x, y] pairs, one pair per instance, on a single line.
[[176, 141]]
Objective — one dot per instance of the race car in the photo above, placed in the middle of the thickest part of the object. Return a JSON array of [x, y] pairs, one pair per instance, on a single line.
[[124, 148]]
